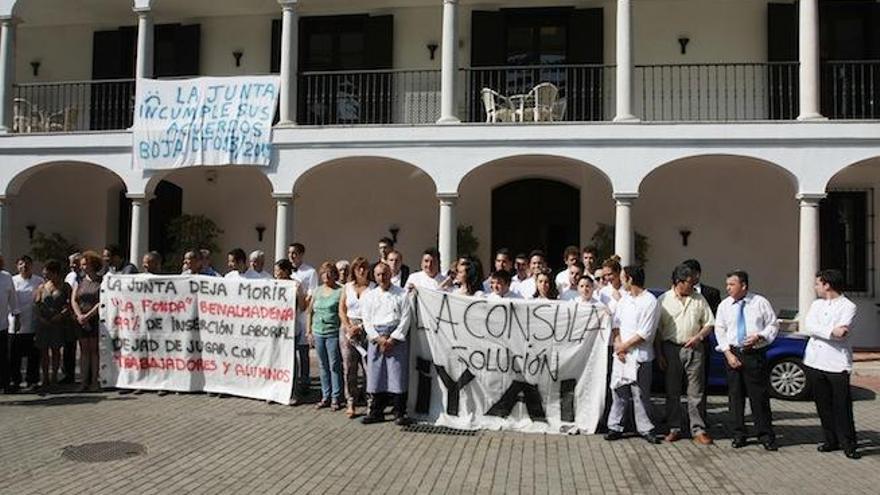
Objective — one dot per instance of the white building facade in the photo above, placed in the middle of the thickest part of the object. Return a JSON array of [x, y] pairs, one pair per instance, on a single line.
[[743, 133]]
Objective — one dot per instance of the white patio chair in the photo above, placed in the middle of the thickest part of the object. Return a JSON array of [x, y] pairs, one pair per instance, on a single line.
[[497, 107], [559, 110], [25, 117], [63, 121], [544, 96]]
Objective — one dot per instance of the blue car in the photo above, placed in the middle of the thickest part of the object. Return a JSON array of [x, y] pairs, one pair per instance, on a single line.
[[788, 377]]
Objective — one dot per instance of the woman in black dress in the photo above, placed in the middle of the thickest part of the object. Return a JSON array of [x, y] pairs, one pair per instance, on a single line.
[[85, 303]]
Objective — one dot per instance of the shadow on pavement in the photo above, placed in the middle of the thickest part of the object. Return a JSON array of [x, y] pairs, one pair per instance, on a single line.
[[61, 400]]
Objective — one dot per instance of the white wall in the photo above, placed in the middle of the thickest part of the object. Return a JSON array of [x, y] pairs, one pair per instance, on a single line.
[[80, 202], [238, 200], [342, 209], [475, 194], [741, 214]]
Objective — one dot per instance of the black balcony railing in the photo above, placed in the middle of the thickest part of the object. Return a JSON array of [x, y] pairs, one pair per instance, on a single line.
[[369, 97], [578, 93], [73, 106], [851, 89], [716, 92]]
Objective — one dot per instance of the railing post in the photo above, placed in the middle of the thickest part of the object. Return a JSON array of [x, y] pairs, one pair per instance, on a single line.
[[624, 63], [808, 50], [7, 71], [289, 29], [449, 66]]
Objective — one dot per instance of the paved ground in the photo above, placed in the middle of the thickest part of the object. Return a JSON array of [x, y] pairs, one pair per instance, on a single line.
[[197, 444]]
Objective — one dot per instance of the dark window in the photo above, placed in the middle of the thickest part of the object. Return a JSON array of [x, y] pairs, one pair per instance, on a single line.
[[845, 242]]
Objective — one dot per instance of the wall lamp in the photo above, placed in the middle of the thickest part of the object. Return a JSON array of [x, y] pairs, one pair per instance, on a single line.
[[394, 229], [685, 234], [237, 54], [31, 228], [35, 65], [432, 49], [261, 229], [683, 43]]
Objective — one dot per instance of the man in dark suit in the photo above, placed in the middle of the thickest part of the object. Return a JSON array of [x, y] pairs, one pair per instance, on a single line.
[[713, 297], [400, 272]]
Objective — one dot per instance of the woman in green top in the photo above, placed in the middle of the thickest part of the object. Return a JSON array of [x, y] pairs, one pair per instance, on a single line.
[[322, 329]]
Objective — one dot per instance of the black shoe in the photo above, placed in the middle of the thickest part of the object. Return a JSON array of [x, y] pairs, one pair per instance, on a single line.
[[827, 447], [613, 435], [852, 454], [738, 443], [402, 421], [770, 445], [124, 391], [368, 420], [651, 438]]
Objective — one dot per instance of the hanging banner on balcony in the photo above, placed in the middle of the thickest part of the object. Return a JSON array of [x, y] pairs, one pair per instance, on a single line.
[[533, 366], [198, 334], [204, 121]]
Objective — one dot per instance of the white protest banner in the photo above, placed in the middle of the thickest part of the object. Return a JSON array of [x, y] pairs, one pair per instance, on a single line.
[[532, 366], [196, 333], [204, 121]]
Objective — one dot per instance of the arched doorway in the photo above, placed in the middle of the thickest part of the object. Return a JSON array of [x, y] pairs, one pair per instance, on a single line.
[[536, 214]]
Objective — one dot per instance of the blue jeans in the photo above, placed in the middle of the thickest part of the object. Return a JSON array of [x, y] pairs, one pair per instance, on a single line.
[[330, 363]]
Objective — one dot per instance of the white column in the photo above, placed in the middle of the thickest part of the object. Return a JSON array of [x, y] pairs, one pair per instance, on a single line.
[[140, 225], [144, 43], [624, 63], [808, 50], [289, 28], [808, 254], [4, 235], [447, 230], [624, 239], [7, 72], [283, 204], [449, 67]]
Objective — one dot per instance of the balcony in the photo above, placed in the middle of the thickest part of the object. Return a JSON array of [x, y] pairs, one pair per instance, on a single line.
[[723, 92]]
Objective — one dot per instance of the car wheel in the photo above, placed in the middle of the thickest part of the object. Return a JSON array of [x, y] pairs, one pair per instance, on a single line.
[[788, 379]]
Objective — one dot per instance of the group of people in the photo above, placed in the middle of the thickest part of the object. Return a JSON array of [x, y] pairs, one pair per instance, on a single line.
[[356, 315]]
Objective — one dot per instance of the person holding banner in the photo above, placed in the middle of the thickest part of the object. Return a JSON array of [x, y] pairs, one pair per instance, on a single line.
[[537, 264], [282, 271], [256, 265], [574, 271], [236, 261], [520, 271], [563, 278], [633, 329], [585, 292], [503, 261], [387, 314], [612, 290], [151, 263], [467, 280], [322, 329], [85, 302], [352, 339]]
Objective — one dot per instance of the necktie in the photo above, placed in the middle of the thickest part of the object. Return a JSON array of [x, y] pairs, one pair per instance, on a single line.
[[741, 323]]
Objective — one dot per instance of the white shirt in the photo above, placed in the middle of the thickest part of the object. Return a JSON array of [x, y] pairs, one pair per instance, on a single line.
[[507, 295], [638, 315], [606, 296], [353, 302], [233, 274], [569, 295], [307, 276], [486, 287], [515, 282], [825, 352], [8, 299], [760, 320], [395, 279], [425, 281], [383, 308], [255, 275], [24, 289], [563, 281], [71, 280], [526, 288]]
